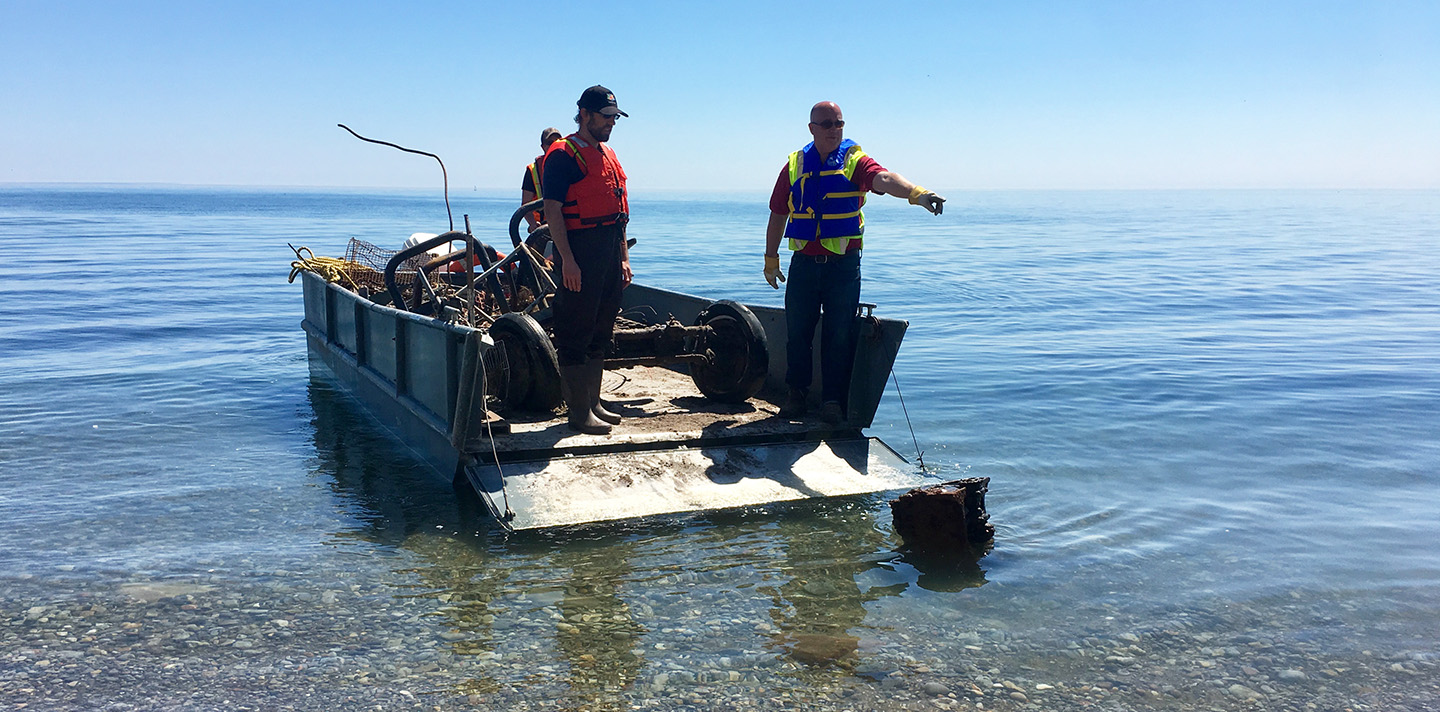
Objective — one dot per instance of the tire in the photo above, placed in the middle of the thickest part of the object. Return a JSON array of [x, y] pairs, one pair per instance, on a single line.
[[534, 382], [738, 356]]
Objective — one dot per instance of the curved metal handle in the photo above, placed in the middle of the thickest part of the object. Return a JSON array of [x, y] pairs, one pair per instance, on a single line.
[[537, 204], [530, 207]]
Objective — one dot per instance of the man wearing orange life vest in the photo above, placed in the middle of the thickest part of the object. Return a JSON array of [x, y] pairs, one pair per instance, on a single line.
[[531, 184], [587, 209], [816, 206]]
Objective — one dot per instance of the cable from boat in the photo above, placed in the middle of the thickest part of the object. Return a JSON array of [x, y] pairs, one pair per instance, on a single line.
[[919, 454], [443, 175], [509, 513]]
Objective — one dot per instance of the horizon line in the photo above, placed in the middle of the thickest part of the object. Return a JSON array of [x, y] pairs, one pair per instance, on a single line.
[[666, 190]]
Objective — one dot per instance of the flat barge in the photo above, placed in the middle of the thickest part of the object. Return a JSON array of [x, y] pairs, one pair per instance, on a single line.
[[478, 404]]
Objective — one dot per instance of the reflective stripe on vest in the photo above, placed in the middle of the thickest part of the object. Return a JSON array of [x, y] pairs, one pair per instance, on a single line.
[[599, 197], [824, 202], [535, 168]]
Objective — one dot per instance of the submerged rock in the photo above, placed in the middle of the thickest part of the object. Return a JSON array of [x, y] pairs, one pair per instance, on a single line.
[[152, 592]]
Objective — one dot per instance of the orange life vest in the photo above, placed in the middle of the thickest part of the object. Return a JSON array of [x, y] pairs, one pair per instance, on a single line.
[[599, 197]]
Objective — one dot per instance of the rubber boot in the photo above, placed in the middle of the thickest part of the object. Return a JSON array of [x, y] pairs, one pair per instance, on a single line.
[[795, 405], [579, 398], [596, 374]]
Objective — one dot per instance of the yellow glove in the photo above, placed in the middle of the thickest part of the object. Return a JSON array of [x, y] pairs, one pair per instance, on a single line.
[[772, 271], [926, 199]]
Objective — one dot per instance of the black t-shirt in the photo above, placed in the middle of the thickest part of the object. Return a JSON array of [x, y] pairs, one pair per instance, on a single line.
[[561, 172], [527, 184]]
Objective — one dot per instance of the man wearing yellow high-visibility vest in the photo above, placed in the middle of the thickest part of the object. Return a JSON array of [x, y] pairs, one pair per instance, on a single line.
[[531, 184], [816, 207]]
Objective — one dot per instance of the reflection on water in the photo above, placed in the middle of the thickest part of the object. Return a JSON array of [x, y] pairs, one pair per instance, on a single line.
[[945, 572], [817, 609], [402, 502], [597, 634], [396, 495]]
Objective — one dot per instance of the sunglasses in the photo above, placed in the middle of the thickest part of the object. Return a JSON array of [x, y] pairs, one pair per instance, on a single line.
[[828, 124]]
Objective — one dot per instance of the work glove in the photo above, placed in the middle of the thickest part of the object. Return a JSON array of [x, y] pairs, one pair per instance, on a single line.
[[773, 275], [927, 199]]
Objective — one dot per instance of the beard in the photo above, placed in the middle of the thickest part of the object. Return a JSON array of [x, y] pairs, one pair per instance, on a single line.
[[599, 128]]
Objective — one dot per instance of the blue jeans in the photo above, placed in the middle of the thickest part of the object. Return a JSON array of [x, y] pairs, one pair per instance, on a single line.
[[832, 288]]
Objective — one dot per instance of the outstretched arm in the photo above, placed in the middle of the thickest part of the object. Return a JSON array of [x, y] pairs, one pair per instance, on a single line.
[[892, 183]]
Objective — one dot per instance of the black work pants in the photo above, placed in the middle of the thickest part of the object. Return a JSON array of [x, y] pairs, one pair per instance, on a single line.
[[584, 321]]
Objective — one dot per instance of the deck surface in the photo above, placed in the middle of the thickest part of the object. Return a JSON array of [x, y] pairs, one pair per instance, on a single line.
[[658, 406]]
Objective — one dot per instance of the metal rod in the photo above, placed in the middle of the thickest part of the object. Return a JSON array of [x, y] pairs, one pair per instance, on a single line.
[[470, 273], [655, 360]]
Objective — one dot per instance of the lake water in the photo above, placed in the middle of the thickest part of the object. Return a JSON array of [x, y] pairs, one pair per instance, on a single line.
[[1211, 422]]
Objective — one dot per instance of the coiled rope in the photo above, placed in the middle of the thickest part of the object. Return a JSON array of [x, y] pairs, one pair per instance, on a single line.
[[332, 269]]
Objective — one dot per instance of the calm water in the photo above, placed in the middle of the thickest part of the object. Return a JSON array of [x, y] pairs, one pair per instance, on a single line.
[[1211, 420]]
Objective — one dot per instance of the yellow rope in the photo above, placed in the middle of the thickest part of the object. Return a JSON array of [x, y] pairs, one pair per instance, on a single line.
[[333, 269]]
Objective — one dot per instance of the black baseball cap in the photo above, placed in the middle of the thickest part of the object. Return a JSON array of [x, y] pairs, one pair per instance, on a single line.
[[598, 98]]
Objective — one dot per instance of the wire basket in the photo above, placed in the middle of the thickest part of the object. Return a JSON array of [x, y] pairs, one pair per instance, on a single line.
[[365, 264]]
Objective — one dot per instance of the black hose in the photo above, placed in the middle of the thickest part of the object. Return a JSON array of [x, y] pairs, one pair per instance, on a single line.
[[519, 215], [398, 299], [443, 175]]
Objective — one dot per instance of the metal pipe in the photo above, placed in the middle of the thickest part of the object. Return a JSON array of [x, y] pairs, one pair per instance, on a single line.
[[402, 256], [519, 216], [470, 274]]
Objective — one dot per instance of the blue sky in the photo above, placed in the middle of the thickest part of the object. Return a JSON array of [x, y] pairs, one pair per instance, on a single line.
[[958, 95]]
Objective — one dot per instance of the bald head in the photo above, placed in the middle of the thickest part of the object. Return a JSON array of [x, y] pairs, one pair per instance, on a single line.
[[824, 110], [826, 126]]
